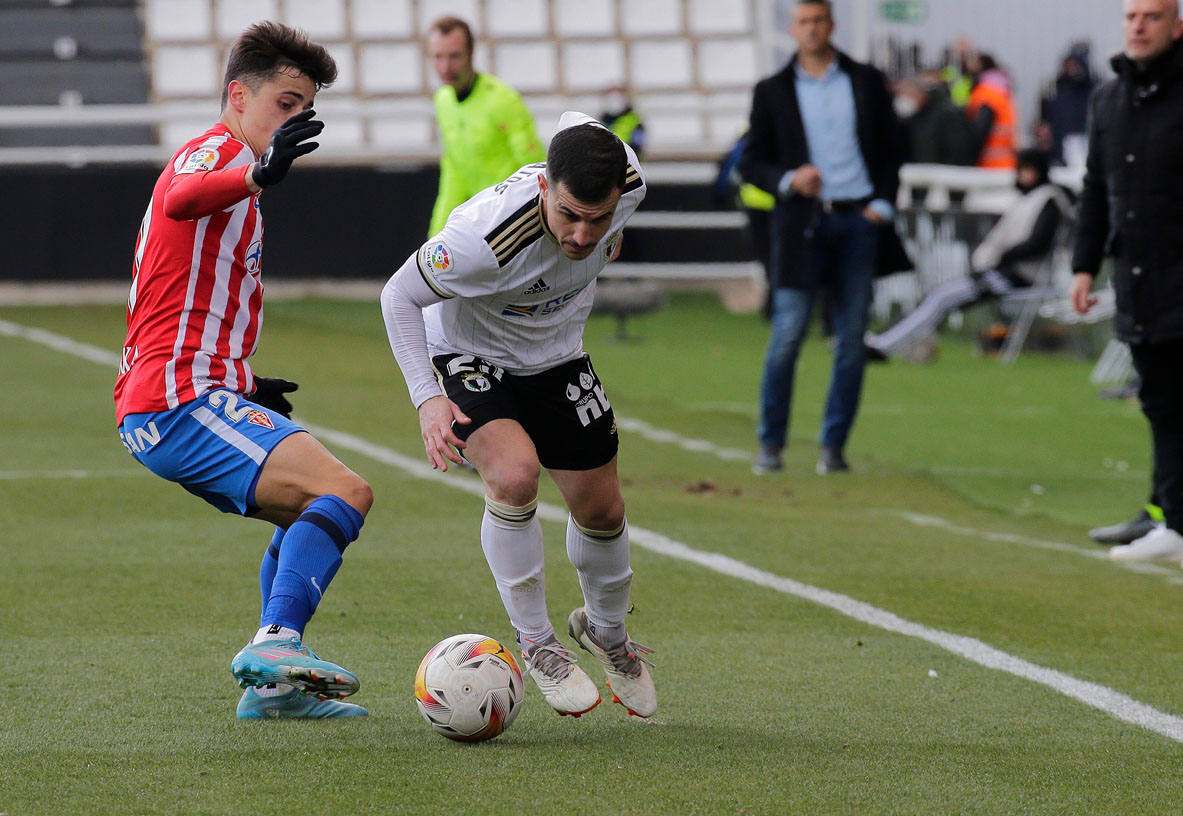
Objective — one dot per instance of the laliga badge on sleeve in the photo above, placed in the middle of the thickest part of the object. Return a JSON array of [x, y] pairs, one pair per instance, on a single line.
[[203, 158], [437, 258]]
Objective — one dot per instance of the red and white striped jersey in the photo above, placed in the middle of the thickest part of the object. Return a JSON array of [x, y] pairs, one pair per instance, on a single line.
[[196, 302]]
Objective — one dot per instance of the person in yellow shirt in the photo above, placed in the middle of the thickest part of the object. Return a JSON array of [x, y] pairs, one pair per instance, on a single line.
[[486, 129]]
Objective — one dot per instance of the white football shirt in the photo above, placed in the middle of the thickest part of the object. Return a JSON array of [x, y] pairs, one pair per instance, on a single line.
[[507, 292]]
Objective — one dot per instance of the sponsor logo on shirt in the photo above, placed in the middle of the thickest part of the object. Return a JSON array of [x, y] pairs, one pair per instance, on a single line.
[[254, 256], [539, 309]]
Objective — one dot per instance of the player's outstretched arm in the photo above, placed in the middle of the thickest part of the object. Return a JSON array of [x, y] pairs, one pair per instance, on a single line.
[[436, 416]]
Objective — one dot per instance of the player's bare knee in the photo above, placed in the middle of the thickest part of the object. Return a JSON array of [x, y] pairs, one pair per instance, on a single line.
[[513, 483], [601, 517], [358, 495]]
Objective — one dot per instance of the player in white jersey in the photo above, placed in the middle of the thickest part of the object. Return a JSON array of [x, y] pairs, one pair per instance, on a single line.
[[188, 406], [486, 322]]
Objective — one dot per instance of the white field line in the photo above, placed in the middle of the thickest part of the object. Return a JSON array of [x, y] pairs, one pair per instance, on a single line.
[[1102, 698]]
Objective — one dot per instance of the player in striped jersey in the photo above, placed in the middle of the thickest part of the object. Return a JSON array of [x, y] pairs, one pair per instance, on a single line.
[[189, 407], [486, 322]]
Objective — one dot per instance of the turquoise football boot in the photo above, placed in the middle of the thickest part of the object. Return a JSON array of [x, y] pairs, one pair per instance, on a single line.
[[291, 662], [293, 706]]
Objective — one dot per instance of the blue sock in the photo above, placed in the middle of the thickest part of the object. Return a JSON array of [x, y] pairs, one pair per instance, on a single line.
[[309, 559], [269, 566]]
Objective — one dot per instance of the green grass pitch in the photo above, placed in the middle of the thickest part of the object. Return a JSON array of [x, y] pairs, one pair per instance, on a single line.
[[123, 598]]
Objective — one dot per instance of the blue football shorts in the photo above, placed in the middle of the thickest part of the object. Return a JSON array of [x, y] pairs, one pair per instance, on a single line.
[[213, 446]]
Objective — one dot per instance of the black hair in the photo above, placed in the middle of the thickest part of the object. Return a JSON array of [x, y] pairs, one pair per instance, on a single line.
[[589, 159], [262, 51], [1037, 160]]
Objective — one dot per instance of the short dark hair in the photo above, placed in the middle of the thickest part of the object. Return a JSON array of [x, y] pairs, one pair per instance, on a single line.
[[446, 25], [589, 159], [1038, 160], [262, 51], [829, 6]]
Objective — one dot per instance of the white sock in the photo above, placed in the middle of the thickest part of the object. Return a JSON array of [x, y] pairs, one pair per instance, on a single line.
[[274, 632], [511, 538], [601, 560]]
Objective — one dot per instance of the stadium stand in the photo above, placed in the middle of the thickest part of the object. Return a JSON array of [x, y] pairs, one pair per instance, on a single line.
[[69, 55]]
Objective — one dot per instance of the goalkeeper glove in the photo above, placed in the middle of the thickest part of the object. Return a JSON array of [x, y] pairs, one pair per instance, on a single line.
[[269, 392], [286, 147]]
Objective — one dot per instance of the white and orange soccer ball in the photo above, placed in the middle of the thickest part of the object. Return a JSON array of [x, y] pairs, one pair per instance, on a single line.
[[469, 688]]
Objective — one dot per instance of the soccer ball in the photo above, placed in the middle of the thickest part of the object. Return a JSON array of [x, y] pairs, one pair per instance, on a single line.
[[469, 688]]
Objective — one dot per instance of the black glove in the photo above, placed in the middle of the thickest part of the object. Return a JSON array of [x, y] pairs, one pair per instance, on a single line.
[[285, 148], [269, 392]]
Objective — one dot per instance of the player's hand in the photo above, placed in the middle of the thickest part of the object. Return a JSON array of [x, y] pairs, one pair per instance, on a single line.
[[269, 392], [436, 416], [287, 144], [807, 181], [1078, 293]]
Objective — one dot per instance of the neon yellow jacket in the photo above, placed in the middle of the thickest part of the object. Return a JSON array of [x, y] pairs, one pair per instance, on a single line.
[[486, 138]]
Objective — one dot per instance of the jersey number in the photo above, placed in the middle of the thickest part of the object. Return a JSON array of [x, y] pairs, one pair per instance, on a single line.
[[233, 412]]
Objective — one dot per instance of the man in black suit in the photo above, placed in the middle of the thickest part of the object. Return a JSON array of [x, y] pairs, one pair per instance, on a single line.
[[824, 138]]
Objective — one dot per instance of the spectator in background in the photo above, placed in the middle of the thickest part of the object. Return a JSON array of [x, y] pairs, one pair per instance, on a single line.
[[1008, 258], [957, 72], [823, 137], [991, 111], [621, 118], [1129, 208], [486, 130], [935, 130], [1063, 108], [731, 191]]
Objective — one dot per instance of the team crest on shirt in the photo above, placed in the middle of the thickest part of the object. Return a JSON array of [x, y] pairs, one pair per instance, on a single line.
[[476, 381], [203, 158], [260, 418], [437, 257], [611, 244]]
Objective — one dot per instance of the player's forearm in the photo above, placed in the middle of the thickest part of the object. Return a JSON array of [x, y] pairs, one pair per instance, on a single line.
[[196, 195], [402, 309]]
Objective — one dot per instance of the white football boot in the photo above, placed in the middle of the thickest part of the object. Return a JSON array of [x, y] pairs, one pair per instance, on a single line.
[[1160, 544], [625, 666], [565, 686]]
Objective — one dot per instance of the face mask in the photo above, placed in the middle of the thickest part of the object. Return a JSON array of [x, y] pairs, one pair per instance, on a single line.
[[905, 106]]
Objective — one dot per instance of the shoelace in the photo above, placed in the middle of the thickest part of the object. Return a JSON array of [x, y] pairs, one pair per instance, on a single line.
[[628, 657], [552, 659]]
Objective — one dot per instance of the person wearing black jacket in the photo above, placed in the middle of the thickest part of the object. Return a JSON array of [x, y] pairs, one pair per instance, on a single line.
[[824, 138], [1131, 208]]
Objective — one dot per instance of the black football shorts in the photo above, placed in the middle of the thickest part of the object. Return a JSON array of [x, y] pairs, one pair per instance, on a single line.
[[563, 409]]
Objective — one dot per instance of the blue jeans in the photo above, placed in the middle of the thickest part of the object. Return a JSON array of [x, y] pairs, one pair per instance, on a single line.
[[845, 246]]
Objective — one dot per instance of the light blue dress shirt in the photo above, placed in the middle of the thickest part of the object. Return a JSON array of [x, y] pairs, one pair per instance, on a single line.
[[831, 131]]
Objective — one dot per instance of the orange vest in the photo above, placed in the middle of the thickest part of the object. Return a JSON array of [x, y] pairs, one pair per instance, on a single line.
[[999, 150]]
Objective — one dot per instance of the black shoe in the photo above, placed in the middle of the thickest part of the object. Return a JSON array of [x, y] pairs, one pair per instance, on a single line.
[[873, 354], [1125, 532], [830, 460]]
